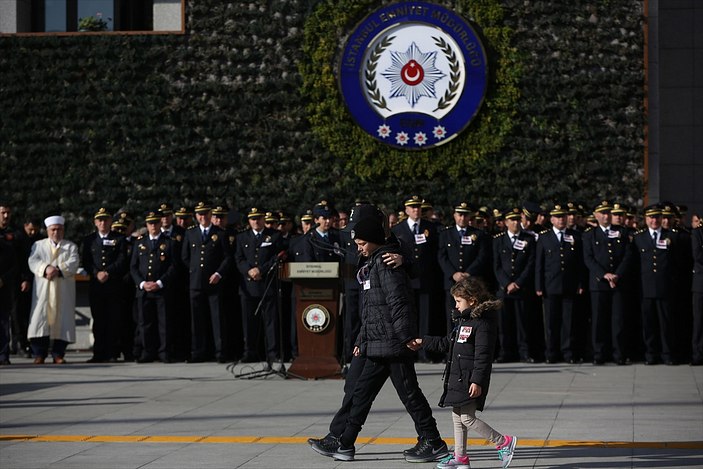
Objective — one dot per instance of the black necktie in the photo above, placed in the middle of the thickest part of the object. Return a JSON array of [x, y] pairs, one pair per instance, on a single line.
[[204, 235], [462, 232], [654, 238], [561, 237], [153, 243], [512, 240], [257, 236]]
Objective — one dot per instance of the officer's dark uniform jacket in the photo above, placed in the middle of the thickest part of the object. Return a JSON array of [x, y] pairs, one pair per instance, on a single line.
[[472, 256], [514, 263], [150, 264], [109, 255], [657, 264], [204, 258], [387, 315], [697, 247], [314, 248], [423, 257], [8, 268], [558, 267], [469, 347], [606, 254], [261, 253]]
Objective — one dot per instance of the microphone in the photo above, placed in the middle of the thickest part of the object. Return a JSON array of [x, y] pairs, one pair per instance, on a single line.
[[282, 256]]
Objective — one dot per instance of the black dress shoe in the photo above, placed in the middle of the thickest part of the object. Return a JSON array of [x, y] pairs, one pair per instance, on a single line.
[[145, 360], [651, 362], [527, 360], [671, 362], [598, 361], [697, 362], [195, 360], [95, 360]]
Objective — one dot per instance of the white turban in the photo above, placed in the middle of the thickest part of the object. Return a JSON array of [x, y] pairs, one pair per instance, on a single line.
[[54, 220]]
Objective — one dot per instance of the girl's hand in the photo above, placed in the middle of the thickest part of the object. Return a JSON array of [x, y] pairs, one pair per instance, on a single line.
[[475, 390]]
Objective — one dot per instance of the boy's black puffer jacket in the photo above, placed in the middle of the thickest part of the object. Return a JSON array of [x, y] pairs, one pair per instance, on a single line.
[[469, 349], [387, 312]]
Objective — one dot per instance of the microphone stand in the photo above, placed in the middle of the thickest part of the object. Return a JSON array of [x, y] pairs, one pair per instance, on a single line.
[[268, 369]]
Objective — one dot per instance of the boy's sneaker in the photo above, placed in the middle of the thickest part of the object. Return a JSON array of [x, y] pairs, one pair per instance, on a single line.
[[326, 446], [507, 449], [450, 462], [414, 448], [344, 454], [427, 451]]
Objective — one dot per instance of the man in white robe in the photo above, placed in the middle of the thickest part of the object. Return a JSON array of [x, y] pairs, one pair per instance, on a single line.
[[54, 262]]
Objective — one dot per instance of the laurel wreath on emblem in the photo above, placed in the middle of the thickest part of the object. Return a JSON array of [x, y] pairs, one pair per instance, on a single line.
[[454, 76], [371, 87]]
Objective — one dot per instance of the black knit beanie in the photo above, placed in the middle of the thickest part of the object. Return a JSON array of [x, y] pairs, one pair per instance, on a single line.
[[369, 229]]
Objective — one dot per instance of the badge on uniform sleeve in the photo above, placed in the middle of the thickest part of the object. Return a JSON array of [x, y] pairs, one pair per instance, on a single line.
[[464, 333]]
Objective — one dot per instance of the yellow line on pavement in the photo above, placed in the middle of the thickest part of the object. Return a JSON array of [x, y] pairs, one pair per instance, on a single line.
[[296, 440]]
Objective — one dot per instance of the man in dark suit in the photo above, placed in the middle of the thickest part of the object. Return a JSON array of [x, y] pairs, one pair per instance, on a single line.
[[697, 289], [207, 255], [153, 269], [104, 258], [514, 268], [258, 251], [608, 257], [558, 280], [463, 251], [657, 252], [419, 240]]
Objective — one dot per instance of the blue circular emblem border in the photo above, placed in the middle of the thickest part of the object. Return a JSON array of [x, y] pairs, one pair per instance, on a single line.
[[351, 82]]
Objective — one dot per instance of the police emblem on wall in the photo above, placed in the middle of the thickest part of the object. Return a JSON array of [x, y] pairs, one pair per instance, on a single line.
[[413, 74]]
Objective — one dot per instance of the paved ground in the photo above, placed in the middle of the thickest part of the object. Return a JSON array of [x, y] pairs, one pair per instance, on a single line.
[[153, 416]]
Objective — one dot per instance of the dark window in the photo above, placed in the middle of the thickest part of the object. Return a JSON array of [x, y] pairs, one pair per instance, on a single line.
[[92, 15]]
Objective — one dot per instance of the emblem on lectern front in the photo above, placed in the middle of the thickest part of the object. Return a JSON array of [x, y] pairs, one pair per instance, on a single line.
[[316, 318]]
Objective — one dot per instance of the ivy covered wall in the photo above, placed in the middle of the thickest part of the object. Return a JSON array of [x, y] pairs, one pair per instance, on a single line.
[[227, 111]]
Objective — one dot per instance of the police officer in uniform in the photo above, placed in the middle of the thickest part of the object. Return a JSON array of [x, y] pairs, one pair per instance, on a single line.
[[130, 339], [657, 253], [322, 243], [104, 258], [206, 253], [559, 280], [8, 278], [230, 314], [153, 269], [257, 253], [697, 297], [514, 268], [181, 309], [608, 257], [419, 240], [463, 251]]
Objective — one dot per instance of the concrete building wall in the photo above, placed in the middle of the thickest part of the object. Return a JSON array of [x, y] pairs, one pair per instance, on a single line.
[[676, 102]]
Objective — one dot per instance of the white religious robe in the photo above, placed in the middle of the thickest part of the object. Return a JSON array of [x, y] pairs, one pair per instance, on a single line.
[[54, 301]]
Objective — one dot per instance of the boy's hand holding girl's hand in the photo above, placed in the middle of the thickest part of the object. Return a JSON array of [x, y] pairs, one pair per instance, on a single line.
[[414, 344]]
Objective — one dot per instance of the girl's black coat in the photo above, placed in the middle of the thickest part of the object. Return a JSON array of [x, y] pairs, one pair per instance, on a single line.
[[468, 362]]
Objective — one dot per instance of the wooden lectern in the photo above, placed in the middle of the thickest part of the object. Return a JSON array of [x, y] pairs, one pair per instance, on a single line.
[[316, 289]]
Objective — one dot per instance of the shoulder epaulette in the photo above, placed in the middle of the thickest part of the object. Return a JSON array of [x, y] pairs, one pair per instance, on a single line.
[[640, 231], [192, 227], [544, 232], [498, 235], [140, 237], [590, 228]]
